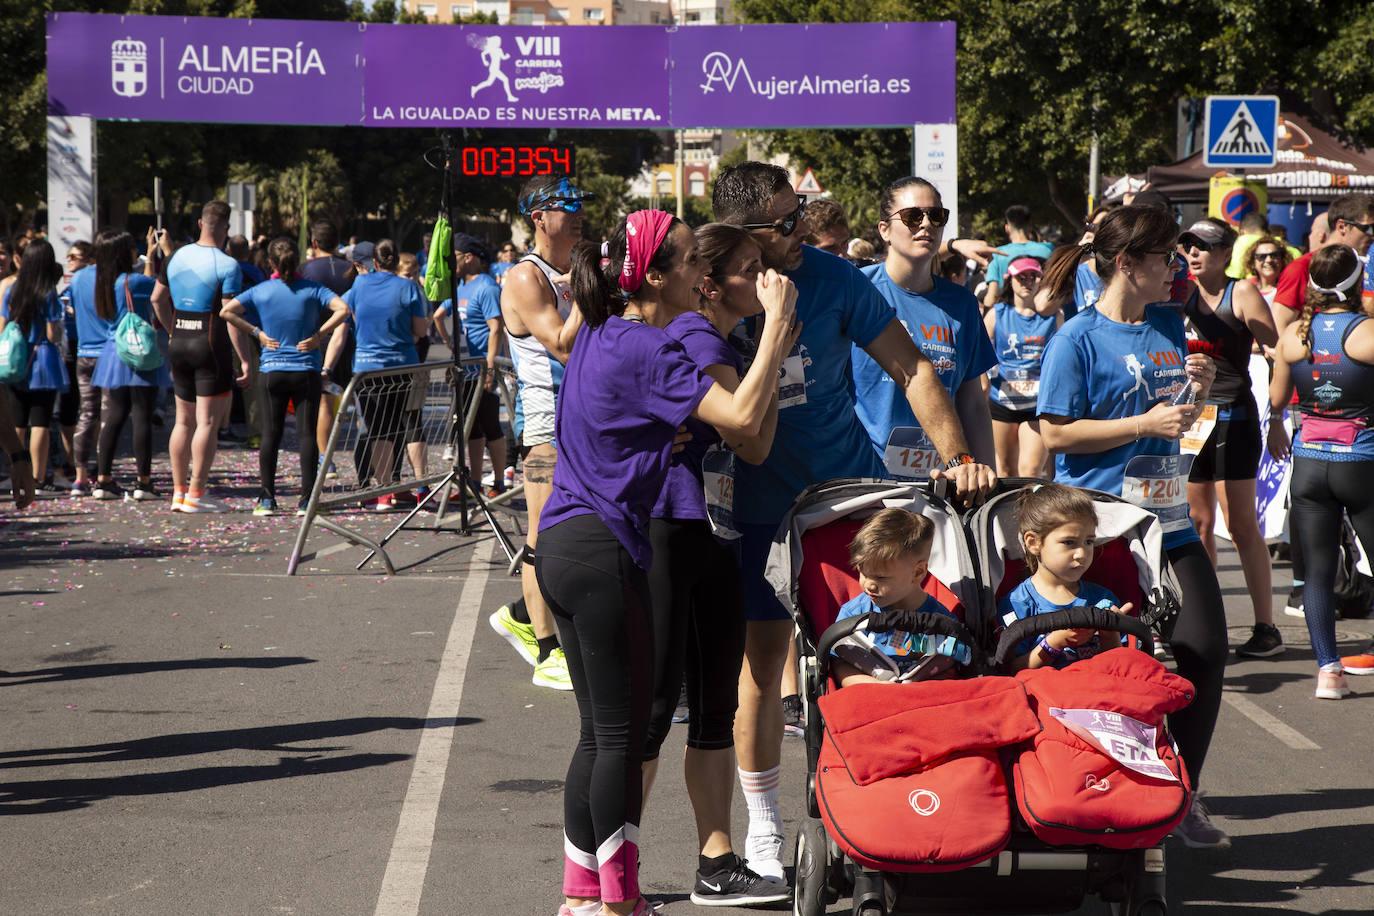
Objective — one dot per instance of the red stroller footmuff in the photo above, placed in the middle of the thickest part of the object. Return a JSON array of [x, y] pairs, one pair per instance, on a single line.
[[909, 777], [1103, 770]]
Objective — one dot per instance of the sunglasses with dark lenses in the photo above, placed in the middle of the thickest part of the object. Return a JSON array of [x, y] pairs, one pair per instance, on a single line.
[[785, 226], [1171, 258], [1269, 256], [912, 217]]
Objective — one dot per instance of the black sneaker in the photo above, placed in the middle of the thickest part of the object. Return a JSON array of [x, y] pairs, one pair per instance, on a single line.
[[738, 886], [1294, 606], [794, 723], [1264, 642]]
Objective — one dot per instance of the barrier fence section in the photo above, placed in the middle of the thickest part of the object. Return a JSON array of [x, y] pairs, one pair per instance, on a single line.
[[399, 444]]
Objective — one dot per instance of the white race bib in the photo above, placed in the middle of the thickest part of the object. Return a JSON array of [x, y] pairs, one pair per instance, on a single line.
[[1160, 483], [1019, 388], [910, 455], [718, 468], [792, 381], [1201, 430]]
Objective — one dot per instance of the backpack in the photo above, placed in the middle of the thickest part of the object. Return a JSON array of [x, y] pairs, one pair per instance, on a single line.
[[438, 274], [135, 339], [14, 354]]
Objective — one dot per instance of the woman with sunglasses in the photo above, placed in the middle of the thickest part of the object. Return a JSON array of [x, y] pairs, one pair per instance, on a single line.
[[627, 387], [943, 319], [1268, 257], [1020, 325], [1110, 421], [1224, 319]]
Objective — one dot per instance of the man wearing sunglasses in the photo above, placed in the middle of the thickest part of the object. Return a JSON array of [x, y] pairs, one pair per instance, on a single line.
[[818, 438], [1350, 221], [541, 323]]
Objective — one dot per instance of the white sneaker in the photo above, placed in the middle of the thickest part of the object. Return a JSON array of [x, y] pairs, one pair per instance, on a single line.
[[195, 505], [764, 855]]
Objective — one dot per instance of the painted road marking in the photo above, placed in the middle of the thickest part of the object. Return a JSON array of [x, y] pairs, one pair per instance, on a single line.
[[1285, 733], [404, 880]]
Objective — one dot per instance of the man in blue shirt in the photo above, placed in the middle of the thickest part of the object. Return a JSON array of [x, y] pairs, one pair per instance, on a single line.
[[197, 280], [1023, 243], [818, 438]]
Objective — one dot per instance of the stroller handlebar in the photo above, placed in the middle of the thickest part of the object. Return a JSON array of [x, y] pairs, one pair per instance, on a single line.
[[911, 621], [1078, 617]]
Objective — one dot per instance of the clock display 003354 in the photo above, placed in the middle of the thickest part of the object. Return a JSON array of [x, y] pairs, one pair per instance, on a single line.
[[516, 161]]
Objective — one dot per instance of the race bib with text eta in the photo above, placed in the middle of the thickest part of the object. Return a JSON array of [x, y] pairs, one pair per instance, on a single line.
[[1128, 741], [909, 454], [1159, 483]]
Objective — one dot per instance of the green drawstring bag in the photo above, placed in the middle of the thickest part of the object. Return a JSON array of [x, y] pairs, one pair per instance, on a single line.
[[438, 275]]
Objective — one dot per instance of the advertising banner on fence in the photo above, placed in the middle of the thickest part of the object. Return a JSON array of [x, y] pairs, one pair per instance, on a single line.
[[162, 68]]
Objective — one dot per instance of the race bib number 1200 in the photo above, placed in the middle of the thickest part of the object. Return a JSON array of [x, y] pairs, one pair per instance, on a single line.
[[1160, 483]]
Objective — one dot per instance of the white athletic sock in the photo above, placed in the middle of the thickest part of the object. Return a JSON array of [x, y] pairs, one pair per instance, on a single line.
[[586, 909], [761, 796]]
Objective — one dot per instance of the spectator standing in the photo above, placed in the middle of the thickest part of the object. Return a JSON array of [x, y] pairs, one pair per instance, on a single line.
[[1268, 258], [69, 401], [324, 266], [1023, 242], [91, 332], [1020, 325], [828, 227], [1253, 227], [505, 260], [31, 302]]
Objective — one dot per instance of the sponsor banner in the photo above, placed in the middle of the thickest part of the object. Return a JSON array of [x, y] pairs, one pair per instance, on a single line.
[[71, 184], [161, 68], [834, 75]]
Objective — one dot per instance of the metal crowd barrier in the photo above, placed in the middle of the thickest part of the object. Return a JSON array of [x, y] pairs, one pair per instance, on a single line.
[[391, 429]]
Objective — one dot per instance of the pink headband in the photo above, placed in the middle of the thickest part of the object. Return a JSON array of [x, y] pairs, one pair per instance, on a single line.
[[645, 230]]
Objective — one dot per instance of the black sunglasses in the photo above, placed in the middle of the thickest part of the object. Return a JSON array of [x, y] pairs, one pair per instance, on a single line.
[[1366, 228], [788, 224], [912, 217], [1269, 256]]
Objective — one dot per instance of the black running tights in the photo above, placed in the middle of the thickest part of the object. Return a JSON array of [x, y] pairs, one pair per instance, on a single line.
[[116, 407], [1197, 637], [279, 388]]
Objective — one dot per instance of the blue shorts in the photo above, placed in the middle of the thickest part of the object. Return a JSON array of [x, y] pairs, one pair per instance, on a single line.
[[761, 602]]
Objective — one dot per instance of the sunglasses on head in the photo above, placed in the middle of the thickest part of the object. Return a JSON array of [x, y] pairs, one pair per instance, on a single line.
[[912, 217], [787, 224], [560, 203]]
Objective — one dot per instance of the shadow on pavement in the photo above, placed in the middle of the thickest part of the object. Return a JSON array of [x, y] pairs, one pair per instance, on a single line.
[[53, 795], [1256, 683], [117, 669]]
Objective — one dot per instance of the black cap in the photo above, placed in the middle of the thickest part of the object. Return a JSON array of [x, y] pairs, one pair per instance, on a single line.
[[471, 244]]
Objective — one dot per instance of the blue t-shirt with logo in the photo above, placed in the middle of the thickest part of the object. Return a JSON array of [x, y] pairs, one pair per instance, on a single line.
[[1106, 370], [381, 305], [1019, 342], [946, 325], [819, 437], [91, 330], [198, 276], [1026, 601], [479, 301], [288, 313]]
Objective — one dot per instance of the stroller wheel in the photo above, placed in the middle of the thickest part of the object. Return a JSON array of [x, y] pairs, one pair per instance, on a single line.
[[808, 895], [1145, 880]]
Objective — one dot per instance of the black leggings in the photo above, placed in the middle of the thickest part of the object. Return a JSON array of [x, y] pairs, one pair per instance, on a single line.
[[600, 601], [1322, 490], [699, 626], [278, 388], [116, 405], [1197, 637]]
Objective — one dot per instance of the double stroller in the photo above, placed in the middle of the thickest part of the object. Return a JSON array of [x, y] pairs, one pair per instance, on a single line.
[[987, 792]]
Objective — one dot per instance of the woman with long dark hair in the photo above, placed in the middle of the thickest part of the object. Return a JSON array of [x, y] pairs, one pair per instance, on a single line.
[[287, 310], [1111, 421], [31, 302], [1330, 359], [694, 585], [126, 392], [627, 388]]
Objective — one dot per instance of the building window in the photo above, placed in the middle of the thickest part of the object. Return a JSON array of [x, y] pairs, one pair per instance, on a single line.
[[558, 14], [523, 16], [460, 9], [665, 185], [697, 186], [693, 17], [654, 17], [428, 10], [594, 14]]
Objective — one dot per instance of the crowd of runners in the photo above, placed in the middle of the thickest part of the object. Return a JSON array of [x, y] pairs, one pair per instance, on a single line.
[[680, 386]]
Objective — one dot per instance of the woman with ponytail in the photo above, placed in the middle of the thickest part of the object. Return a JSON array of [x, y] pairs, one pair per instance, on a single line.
[[1125, 390], [31, 301], [1328, 354], [627, 388], [283, 316]]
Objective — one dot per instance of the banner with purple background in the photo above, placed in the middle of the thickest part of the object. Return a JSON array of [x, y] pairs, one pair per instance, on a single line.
[[162, 68]]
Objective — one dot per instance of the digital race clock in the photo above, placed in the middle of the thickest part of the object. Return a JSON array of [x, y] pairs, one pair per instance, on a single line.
[[516, 161]]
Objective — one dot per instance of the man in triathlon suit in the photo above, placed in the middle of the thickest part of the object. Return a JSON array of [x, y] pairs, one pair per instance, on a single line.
[[196, 281], [541, 323]]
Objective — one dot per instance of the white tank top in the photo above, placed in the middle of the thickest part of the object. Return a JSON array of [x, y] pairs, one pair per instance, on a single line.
[[538, 372]]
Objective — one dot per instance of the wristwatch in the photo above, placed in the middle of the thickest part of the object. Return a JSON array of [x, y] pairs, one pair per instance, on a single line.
[[961, 458]]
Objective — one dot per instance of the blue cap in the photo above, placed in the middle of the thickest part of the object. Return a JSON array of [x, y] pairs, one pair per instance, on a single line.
[[547, 197]]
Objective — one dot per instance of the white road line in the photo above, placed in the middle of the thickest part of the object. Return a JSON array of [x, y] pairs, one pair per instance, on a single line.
[[1285, 733], [404, 880]]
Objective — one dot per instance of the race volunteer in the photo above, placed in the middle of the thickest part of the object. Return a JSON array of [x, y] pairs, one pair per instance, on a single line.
[[819, 437], [1109, 421], [198, 279]]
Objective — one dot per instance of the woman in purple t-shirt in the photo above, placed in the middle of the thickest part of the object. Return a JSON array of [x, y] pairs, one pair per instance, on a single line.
[[627, 388]]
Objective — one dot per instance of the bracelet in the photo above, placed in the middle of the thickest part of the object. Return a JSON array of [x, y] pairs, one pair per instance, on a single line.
[[1044, 644], [21, 455], [1137, 429], [957, 460]]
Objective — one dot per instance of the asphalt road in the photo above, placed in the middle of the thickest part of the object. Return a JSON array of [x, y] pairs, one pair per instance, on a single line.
[[190, 731]]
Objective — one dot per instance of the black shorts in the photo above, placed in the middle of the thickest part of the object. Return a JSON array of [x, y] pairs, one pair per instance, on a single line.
[[1233, 450], [200, 355], [31, 409], [1007, 415], [487, 424]]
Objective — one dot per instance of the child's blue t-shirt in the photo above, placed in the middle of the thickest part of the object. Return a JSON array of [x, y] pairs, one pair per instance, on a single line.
[[903, 648], [1025, 601]]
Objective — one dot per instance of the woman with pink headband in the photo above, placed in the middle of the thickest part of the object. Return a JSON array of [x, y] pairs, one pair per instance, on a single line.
[[627, 389]]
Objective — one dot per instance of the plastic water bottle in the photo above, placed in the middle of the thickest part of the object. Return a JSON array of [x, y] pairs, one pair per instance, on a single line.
[[1185, 395]]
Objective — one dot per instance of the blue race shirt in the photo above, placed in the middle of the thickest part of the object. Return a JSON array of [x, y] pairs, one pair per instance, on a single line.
[[997, 267], [382, 305], [1107, 370], [1019, 342], [289, 313], [498, 270], [1086, 288], [1026, 601], [38, 324], [198, 276], [479, 301], [946, 325], [250, 273], [91, 330], [819, 437]]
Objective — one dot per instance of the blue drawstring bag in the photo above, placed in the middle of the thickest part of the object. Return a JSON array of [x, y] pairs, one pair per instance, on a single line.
[[135, 339], [49, 372]]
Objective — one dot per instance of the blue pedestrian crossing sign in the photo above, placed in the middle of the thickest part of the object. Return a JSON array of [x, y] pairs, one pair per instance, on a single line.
[[1242, 131]]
